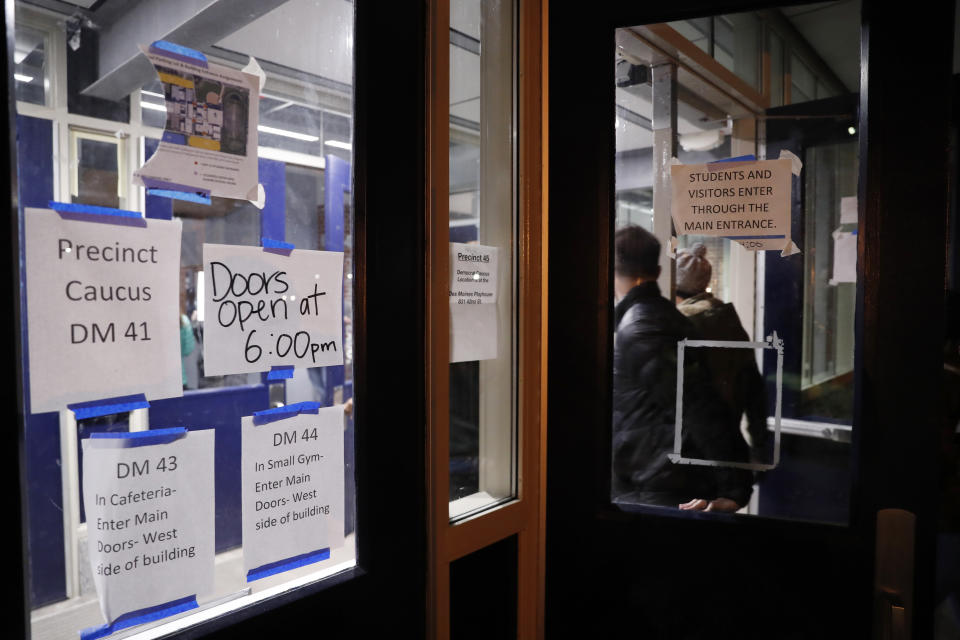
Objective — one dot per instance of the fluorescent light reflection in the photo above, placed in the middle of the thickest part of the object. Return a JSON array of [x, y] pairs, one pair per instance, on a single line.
[[153, 106], [287, 134], [22, 78], [338, 144]]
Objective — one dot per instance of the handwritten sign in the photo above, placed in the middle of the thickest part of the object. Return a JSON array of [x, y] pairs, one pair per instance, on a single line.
[[102, 303], [474, 323], [263, 309], [150, 519], [745, 201], [293, 487]]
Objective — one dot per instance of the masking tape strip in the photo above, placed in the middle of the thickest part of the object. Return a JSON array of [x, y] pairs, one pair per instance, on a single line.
[[108, 406], [287, 411], [796, 165], [93, 213], [140, 616], [280, 566], [772, 342], [180, 52], [280, 373], [142, 438]]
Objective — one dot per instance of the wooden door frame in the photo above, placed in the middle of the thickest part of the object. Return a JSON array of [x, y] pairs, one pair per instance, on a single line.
[[522, 516], [896, 414]]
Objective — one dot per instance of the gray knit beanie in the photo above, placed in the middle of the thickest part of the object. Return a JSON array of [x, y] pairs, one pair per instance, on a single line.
[[693, 270]]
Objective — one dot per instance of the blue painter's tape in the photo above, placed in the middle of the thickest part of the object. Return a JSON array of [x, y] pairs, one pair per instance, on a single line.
[[287, 411], [280, 373], [92, 210], [270, 243], [108, 406], [180, 195], [180, 51], [174, 138], [754, 237], [747, 158], [142, 438], [286, 565], [140, 616]]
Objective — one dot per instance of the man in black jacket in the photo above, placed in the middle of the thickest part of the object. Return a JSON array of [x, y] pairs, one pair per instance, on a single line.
[[648, 327]]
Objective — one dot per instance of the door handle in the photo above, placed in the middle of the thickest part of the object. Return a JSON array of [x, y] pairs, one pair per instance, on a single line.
[[893, 578]]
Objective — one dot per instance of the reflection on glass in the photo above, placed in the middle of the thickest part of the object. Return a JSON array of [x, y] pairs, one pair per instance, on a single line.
[[481, 192], [97, 178], [828, 340], [724, 292], [306, 167], [29, 57]]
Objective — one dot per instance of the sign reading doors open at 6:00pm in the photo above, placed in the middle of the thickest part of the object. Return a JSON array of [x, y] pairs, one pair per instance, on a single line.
[[102, 309], [265, 309]]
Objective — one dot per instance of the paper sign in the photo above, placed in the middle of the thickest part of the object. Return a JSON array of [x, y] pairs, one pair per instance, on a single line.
[[102, 309], [473, 302], [293, 486], [209, 143], [848, 210], [745, 201], [264, 309], [844, 257], [150, 520]]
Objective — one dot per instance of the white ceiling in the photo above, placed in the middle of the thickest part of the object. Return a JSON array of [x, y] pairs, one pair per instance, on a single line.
[[833, 30]]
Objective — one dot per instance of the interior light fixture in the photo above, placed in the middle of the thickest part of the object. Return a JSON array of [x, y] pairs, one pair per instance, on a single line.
[[338, 144], [287, 134], [22, 78], [152, 94], [153, 106], [852, 131]]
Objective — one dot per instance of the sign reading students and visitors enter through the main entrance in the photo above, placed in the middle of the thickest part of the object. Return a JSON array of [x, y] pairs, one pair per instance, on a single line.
[[747, 201]]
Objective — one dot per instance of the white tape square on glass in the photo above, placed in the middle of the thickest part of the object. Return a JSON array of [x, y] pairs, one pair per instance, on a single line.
[[772, 342]]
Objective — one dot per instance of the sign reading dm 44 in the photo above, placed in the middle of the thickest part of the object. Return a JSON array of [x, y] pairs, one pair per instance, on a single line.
[[264, 309]]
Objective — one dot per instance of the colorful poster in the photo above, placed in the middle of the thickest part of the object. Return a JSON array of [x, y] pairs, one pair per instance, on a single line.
[[209, 144]]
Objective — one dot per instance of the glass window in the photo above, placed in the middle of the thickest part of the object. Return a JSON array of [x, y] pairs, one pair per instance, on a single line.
[[759, 423], [698, 31], [737, 45], [775, 43], [30, 65], [483, 403], [303, 150], [803, 83]]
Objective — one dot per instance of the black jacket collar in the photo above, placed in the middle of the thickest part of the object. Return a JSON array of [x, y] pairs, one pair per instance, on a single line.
[[644, 290]]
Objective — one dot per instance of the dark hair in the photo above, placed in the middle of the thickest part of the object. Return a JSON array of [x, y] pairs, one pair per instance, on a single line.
[[637, 253]]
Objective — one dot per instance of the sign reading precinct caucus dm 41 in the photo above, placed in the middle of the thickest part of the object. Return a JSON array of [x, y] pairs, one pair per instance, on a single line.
[[102, 308], [746, 201], [264, 309]]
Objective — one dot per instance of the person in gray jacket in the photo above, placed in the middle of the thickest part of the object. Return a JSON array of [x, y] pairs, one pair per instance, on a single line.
[[734, 372]]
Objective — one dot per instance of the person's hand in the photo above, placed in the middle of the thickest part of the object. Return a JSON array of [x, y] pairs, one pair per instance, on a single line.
[[723, 505]]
